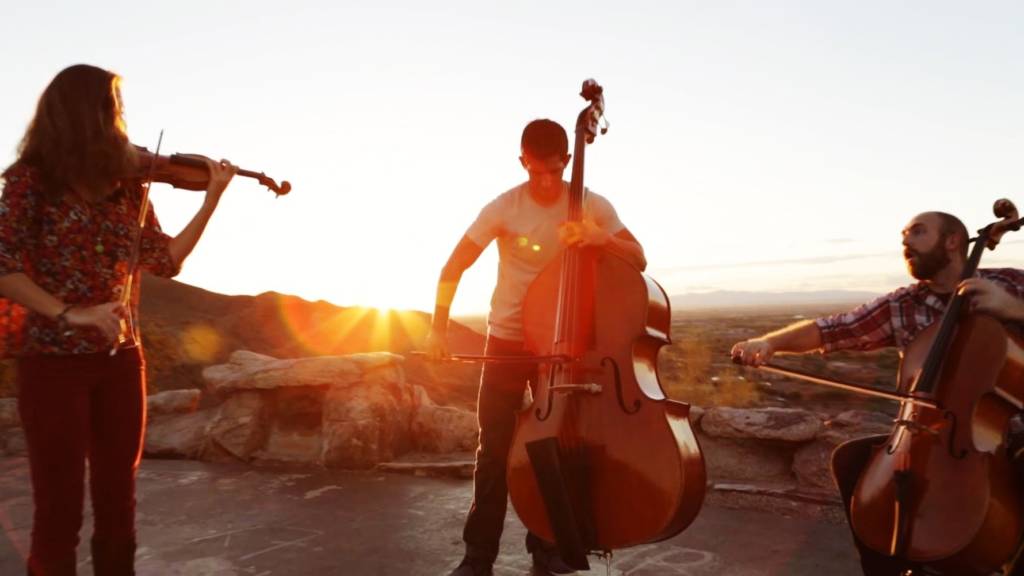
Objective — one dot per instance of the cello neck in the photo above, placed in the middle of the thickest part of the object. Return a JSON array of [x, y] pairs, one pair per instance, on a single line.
[[929, 375]]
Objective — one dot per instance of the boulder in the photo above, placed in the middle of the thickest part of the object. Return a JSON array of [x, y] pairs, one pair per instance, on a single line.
[[177, 437], [247, 370], [812, 462], [295, 418], [14, 442], [696, 413], [172, 402], [367, 424], [239, 428], [444, 429], [862, 420], [775, 424], [9, 413]]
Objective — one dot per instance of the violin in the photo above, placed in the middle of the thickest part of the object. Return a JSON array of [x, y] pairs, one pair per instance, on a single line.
[[185, 171], [189, 172]]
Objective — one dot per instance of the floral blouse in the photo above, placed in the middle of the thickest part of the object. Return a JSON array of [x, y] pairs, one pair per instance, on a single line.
[[76, 250]]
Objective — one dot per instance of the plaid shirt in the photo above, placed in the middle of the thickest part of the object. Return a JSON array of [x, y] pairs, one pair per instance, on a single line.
[[898, 317]]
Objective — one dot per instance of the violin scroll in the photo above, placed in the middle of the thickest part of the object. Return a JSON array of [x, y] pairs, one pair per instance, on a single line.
[[189, 172], [282, 189]]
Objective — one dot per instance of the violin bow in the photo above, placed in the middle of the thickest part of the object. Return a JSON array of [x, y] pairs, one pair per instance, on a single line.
[[128, 321]]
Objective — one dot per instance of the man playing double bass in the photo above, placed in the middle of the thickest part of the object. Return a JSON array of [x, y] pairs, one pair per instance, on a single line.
[[529, 224], [935, 249]]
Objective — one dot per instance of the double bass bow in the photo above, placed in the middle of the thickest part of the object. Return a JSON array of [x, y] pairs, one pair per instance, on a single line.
[[940, 490]]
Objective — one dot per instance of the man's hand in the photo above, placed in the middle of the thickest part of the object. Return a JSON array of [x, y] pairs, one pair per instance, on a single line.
[[584, 233], [436, 345], [753, 352], [990, 298]]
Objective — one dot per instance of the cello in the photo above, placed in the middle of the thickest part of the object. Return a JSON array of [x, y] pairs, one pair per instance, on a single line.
[[940, 491], [601, 459]]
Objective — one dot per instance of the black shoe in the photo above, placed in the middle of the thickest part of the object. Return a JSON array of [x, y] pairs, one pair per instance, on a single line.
[[469, 567], [113, 558], [547, 561]]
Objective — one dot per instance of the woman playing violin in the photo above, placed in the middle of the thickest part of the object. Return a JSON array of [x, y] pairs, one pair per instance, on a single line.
[[68, 216], [935, 249]]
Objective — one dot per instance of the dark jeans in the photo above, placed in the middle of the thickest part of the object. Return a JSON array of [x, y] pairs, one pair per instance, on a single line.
[[73, 408], [501, 397], [848, 461]]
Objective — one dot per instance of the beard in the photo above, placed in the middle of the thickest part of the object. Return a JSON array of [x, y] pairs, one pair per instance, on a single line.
[[925, 265]]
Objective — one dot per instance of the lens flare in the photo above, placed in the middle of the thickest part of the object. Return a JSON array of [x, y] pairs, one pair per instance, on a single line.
[[320, 328], [202, 343]]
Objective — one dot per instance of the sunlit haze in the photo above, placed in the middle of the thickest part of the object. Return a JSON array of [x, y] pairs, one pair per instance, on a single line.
[[768, 146]]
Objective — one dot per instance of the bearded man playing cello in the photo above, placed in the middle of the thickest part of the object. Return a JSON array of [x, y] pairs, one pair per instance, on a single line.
[[935, 249]]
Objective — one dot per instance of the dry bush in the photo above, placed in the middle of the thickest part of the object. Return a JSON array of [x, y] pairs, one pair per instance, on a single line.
[[688, 372]]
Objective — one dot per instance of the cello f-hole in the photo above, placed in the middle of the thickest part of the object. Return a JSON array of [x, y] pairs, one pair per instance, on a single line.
[[951, 417]]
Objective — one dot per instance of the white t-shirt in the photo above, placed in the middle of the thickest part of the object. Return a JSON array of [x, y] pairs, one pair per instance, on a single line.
[[527, 235]]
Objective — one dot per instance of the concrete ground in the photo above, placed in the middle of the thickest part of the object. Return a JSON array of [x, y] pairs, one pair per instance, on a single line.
[[201, 519]]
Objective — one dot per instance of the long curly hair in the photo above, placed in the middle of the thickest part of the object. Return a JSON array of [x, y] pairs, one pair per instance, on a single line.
[[77, 136]]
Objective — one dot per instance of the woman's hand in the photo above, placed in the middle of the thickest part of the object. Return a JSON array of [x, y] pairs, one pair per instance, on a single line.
[[105, 317], [221, 174]]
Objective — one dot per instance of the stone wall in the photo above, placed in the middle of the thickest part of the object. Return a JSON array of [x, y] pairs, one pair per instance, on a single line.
[[358, 411], [350, 411]]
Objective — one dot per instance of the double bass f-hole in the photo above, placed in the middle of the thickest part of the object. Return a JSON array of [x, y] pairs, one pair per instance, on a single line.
[[618, 387]]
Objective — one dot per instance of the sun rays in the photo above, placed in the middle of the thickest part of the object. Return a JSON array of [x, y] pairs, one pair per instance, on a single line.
[[321, 328]]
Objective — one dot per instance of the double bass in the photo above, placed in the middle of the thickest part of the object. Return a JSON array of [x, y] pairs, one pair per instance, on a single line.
[[940, 490], [601, 459]]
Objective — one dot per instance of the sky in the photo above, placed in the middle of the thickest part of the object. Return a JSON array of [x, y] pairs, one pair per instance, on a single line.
[[765, 146]]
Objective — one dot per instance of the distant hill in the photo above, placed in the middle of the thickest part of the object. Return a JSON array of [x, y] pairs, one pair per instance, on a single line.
[[186, 329], [740, 299]]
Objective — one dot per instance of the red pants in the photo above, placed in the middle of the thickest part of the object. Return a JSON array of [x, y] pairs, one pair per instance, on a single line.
[[73, 408]]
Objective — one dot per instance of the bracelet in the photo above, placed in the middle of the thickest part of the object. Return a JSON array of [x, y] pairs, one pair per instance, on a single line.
[[62, 320]]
